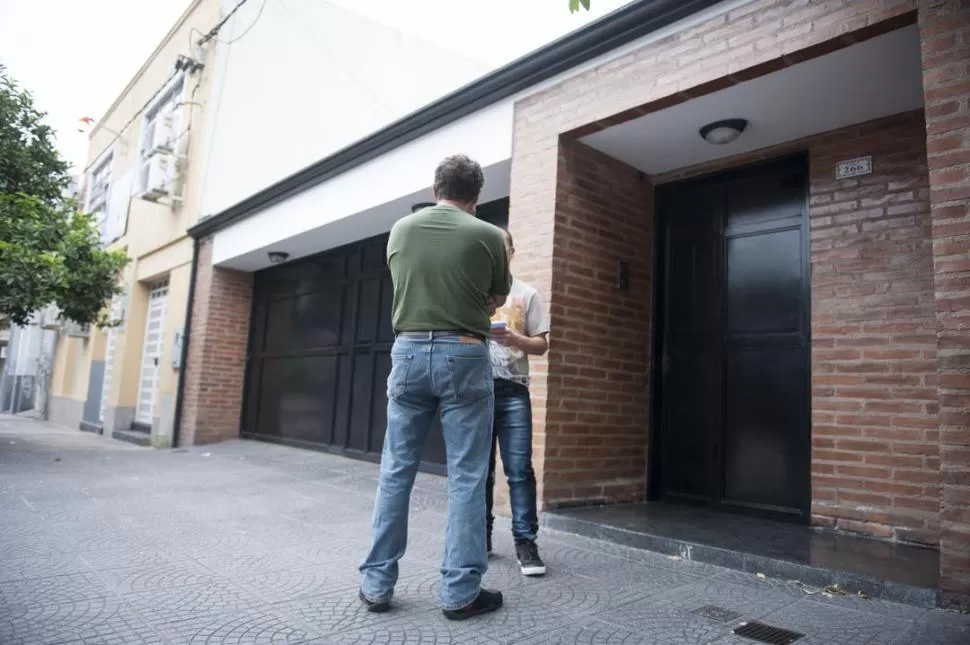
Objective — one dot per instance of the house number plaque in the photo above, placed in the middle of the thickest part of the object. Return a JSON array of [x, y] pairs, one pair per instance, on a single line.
[[853, 167]]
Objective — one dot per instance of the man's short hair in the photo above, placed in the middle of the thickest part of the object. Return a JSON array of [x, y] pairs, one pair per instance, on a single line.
[[459, 179]]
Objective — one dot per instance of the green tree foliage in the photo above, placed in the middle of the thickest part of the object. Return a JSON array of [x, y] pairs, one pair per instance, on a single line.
[[49, 252], [574, 5]]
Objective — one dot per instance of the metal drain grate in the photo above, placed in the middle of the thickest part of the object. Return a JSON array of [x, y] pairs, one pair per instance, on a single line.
[[717, 614], [767, 634]]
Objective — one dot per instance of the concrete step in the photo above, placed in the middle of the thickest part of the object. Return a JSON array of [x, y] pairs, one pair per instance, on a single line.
[[137, 437], [895, 572]]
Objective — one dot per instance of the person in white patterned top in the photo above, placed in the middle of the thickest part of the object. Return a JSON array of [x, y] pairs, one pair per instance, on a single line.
[[520, 328]]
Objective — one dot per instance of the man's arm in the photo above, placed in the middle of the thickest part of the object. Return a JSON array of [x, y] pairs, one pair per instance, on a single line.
[[532, 345], [501, 276], [535, 340]]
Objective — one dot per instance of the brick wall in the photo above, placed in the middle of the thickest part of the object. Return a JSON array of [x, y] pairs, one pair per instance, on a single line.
[[215, 367], [746, 42], [599, 359], [875, 466], [875, 460], [945, 31]]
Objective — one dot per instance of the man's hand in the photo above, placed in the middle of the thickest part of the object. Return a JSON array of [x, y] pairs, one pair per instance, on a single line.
[[507, 337], [492, 306]]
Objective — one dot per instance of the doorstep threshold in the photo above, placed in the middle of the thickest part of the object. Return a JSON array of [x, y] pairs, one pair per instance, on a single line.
[[137, 437], [894, 572]]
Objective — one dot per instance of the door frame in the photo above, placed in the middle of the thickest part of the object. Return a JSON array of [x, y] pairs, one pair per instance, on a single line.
[[153, 287], [654, 474]]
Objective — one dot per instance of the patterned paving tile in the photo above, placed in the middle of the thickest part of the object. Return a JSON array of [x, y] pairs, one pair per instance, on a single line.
[[328, 548], [665, 625], [750, 603], [592, 632], [98, 620], [173, 575], [256, 627], [935, 634], [233, 565], [51, 591], [866, 605], [341, 611], [42, 545], [142, 557], [579, 597], [519, 619], [257, 543], [424, 629], [937, 628], [831, 624], [183, 603], [47, 566], [283, 586]]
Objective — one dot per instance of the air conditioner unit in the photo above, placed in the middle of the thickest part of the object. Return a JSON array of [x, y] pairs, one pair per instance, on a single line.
[[160, 137], [48, 317], [75, 330], [157, 176]]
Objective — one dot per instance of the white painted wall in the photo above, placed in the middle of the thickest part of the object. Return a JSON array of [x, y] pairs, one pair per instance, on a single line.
[[369, 198], [307, 79]]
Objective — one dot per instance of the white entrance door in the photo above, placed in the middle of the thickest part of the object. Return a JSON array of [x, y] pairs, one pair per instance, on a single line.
[[151, 355], [109, 357]]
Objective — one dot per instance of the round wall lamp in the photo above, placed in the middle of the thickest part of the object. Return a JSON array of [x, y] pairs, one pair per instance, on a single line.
[[420, 206], [721, 132], [278, 257]]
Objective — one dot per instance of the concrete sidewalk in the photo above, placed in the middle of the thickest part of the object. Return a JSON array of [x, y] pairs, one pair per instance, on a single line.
[[105, 543]]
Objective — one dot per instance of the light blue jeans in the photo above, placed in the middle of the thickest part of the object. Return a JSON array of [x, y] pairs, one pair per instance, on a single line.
[[430, 372]]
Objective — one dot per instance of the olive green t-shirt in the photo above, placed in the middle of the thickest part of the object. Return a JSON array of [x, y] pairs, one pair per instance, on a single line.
[[444, 264]]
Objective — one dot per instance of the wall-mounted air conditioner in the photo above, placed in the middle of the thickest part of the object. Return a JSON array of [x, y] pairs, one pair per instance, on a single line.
[[160, 136], [48, 317], [158, 174], [75, 330]]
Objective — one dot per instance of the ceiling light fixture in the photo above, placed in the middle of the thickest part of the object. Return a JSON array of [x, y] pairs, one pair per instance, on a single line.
[[722, 132], [278, 257]]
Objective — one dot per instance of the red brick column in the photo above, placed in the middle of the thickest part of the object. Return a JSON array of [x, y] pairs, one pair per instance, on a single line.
[[216, 363], [591, 397], [599, 361], [945, 31]]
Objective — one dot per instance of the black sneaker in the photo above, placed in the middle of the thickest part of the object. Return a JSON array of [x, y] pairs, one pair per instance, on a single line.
[[529, 561], [486, 602], [375, 607]]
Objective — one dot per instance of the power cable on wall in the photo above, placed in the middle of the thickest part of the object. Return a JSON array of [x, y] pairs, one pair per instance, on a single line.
[[259, 15], [218, 95], [120, 131], [211, 34]]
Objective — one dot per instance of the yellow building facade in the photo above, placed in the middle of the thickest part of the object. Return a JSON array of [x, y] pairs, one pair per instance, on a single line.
[[142, 181]]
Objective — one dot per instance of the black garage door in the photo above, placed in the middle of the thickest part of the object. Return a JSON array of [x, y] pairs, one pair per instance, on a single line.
[[320, 347]]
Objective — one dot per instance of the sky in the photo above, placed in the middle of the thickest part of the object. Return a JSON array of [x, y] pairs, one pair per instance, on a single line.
[[76, 56]]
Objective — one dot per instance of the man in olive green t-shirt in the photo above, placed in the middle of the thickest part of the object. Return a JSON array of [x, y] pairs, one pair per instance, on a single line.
[[450, 270]]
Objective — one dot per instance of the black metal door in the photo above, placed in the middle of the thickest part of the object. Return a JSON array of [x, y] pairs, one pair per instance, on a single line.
[[319, 352], [734, 342]]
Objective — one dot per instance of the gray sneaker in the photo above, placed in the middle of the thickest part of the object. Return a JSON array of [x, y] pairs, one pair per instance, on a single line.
[[529, 561]]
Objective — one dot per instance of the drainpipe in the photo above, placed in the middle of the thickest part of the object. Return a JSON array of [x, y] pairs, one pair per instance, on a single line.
[[186, 333]]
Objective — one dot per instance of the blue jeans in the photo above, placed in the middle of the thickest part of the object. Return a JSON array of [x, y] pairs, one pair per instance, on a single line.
[[453, 374], [513, 433]]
